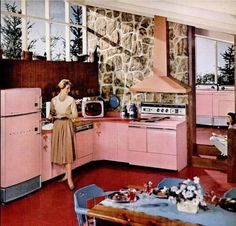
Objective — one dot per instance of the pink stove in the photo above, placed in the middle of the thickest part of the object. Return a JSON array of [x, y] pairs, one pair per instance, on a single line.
[[159, 137], [160, 115]]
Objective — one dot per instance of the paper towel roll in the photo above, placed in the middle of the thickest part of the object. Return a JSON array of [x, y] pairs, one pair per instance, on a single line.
[[48, 105]]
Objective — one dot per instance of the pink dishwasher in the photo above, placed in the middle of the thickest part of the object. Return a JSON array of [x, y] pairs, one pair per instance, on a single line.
[[20, 142]]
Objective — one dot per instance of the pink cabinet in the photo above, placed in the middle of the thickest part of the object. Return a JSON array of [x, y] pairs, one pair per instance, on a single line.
[[213, 106], [204, 107], [105, 141], [110, 141], [46, 169], [49, 170], [84, 150], [158, 147], [122, 142], [223, 102], [161, 141], [137, 138], [84, 147]]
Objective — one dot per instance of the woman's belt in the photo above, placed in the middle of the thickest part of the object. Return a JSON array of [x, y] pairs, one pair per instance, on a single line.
[[62, 118]]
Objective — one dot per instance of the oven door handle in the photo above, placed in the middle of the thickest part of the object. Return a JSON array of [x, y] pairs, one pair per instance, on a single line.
[[138, 127], [160, 128]]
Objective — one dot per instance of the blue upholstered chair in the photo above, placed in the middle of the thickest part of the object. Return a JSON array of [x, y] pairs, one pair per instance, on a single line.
[[169, 182], [81, 196]]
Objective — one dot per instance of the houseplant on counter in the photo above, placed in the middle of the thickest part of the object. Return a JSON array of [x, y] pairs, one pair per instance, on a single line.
[[188, 196]]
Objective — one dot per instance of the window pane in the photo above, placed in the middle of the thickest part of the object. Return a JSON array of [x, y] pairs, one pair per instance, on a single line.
[[58, 10], [57, 42], [225, 58], [205, 61], [11, 6], [36, 37], [76, 41], [36, 8], [76, 14], [11, 37]]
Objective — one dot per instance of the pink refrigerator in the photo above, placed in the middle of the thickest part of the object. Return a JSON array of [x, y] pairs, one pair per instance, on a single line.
[[20, 142]]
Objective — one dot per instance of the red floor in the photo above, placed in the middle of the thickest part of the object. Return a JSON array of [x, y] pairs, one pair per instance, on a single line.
[[53, 204], [203, 134]]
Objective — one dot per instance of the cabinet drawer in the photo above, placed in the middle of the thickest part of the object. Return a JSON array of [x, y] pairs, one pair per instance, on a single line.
[[153, 160], [161, 141], [163, 161], [137, 140]]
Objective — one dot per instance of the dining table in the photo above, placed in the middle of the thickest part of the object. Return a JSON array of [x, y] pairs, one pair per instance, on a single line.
[[148, 210]]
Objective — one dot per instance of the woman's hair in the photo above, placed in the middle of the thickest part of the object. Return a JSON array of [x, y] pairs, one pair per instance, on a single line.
[[233, 117], [62, 84]]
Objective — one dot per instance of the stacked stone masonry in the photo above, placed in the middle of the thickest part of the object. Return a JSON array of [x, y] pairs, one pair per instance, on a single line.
[[126, 43]]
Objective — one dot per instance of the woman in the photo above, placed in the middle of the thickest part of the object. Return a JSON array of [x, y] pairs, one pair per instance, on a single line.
[[220, 141], [63, 109]]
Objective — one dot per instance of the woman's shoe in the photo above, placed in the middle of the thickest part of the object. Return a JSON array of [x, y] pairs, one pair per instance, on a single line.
[[71, 186]]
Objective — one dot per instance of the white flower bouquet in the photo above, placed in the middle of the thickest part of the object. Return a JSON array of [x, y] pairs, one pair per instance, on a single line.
[[187, 191]]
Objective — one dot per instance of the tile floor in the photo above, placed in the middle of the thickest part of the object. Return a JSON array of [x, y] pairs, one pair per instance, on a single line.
[[53, 204]]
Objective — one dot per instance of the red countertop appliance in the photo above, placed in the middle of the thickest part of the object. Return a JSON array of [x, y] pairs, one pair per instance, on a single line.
[[20, 142]]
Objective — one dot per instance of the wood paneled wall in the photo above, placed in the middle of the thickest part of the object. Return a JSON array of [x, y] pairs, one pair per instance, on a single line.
[[47, 74]]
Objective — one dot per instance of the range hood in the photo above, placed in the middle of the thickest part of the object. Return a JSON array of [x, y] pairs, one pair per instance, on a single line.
[[160, 81]]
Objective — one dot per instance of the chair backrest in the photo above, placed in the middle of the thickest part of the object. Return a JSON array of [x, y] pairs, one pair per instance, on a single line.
[[81, 196], [88, 192], [231, 193], [169, 182]]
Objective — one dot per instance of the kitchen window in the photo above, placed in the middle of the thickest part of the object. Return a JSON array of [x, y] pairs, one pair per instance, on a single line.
[[55, 29], [214, 62]]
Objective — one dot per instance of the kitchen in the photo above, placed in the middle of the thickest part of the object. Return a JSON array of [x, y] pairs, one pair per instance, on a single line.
[[122, 70]]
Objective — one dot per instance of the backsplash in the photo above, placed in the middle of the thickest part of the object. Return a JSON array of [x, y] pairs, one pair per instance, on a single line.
[[126, 44]]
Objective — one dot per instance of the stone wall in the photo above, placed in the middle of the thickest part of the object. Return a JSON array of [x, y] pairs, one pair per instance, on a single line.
[[126, 44]]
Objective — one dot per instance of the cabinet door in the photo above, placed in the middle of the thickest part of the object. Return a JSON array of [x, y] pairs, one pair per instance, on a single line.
[[84, 147], [84, 143], [223, 102], [122, 142], [137, 146], [137, 138], [46, 169], [162, 141], [204, 103], [105, 141]]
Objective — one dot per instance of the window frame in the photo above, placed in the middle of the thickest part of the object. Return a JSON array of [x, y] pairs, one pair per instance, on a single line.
[[216, 41], [48, 21]]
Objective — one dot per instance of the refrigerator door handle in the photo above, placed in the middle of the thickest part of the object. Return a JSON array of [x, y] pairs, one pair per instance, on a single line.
[[38, 129], [39, 104]]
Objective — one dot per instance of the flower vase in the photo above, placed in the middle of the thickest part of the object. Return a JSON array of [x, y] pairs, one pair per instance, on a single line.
[[187, 206]]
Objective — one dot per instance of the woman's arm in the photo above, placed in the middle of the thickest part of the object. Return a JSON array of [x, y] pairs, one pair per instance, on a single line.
[[74, 112]]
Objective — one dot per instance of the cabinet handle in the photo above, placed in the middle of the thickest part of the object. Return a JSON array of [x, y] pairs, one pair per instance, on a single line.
[[98, 129], [45, 147], [138, 127], [154, 128], [98, 124]]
